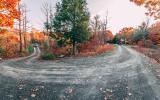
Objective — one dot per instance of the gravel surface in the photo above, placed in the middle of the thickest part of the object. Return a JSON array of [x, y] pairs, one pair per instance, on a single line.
[[123, 75]]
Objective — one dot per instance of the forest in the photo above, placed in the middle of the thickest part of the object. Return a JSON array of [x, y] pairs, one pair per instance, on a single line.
[[70, 30], [77, 52]]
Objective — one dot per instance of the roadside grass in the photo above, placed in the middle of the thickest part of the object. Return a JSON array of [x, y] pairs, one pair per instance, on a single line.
[[109, 53], [150, 52], [48, 56], [97, 50]]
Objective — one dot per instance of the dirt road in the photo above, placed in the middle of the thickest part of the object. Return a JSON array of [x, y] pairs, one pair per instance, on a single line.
[[121, 75]]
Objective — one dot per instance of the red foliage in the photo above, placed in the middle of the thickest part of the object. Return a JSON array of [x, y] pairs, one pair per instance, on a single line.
[[154, 33], [93, 47], [97, 50], [61, 51]]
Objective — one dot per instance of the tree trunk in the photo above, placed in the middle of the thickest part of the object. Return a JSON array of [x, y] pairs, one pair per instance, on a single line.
[[74, 48], [25, 41], [25, 30], [20, 31], [20, 35]]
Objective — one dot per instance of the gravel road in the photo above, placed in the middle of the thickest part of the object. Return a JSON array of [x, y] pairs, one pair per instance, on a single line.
[[123, 74]]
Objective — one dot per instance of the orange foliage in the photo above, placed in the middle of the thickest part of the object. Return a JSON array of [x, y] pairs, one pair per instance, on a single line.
[[104, 48], [37, 36], [109, 35], [9, 43], [126, 33], [8, 12], [153, 7], [138, 2]]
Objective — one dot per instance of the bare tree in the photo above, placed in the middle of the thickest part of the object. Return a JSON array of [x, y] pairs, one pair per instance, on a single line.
[[25, 22], [48, 13], [104, 28], [96, 24], [19, 26], [99, 27], [46, 10], [22, 23], [144, 29]]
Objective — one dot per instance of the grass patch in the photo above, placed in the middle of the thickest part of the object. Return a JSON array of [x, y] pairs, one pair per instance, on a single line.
[[30, 49], [48, 56]]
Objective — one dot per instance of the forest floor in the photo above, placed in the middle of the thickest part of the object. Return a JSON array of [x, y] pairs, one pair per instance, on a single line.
[[150, 52]]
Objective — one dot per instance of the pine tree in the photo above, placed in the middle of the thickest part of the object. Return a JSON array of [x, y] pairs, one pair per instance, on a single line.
[[71, 21]]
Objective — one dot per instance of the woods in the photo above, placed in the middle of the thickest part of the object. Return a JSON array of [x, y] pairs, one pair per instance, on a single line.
[[72, 29], [79, 49], [69, 29]]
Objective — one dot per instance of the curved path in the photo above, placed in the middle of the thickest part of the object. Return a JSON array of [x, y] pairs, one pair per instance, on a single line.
[[121, 75]]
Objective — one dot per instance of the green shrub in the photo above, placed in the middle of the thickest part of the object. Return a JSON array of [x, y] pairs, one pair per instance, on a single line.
[[30, 49], [48, 56], [1, 51]]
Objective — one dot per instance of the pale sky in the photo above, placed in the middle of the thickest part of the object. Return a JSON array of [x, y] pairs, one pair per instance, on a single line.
[[122, 13]]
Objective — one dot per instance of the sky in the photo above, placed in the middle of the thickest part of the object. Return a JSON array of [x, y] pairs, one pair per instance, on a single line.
[[121, 13]]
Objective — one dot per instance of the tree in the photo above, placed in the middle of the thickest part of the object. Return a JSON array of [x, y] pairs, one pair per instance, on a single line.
[[99, 28], [141, 33], [126, 34], [47, 11], [154, 33], [116, 39], [19, 26], [104, 26], [72, 21], [152, 6], [8, 12], [96, 24], [108, 36], [24, 24], [8, 43]]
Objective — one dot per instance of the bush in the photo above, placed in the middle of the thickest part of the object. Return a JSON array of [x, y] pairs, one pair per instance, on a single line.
[[104, 48], [62, 51], [141, 43], [30, 49], [48, 56], [92, 50], [1, 51]]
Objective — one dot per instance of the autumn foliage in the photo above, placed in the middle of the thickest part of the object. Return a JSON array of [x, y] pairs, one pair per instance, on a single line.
[[138, 36], [109, 35], [8, 43], [8, 12], [154, 34], [126, 33], [37, 36], [93, 47], [152, 6]]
